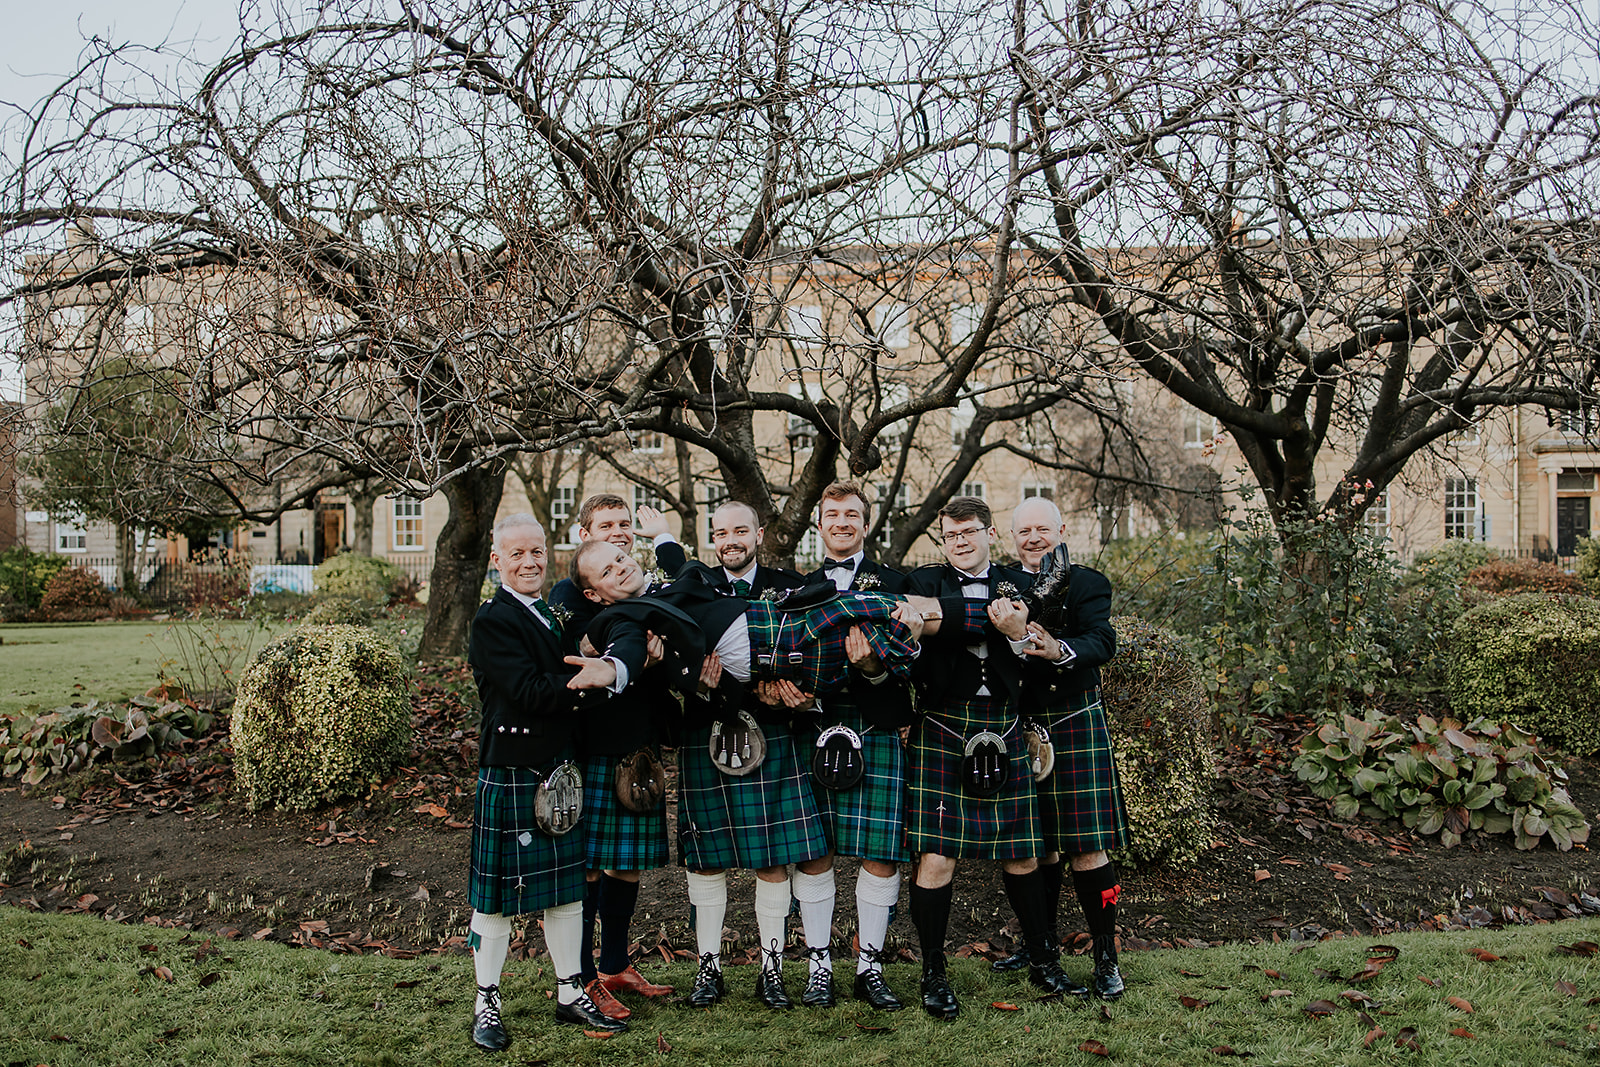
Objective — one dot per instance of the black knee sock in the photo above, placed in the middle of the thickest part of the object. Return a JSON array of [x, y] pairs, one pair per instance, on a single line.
[[1026, 896], [618, 898], [1097, 892], [930, 914], [1050, 882], [591, 908]]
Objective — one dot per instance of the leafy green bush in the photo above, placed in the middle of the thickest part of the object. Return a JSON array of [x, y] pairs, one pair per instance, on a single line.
[[1161, 730], [1504, 576], [1533, 659], [1589, 564], [1168, 580], [1440, 777], [1450, 563], [337, 611], [24, 574], [352, 577], [320, 714], [38, 744], [75, 593]]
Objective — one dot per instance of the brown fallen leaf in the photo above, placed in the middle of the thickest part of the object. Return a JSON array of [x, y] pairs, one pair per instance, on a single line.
[[1370, 971], [1425, 980], [209, 979], [1320, 1007], [1407, 1038], [865, 1029], [1567, 987], [601, 1034], [1194, 1002], [1459, 1004], [661, 1043], [1095, 1047], [1482, 954], [1338, 868], [408, 985], [1005, 1005], [1229, 1050], [1355, 996], [1373, 1035], [1578, 948], [1277, 993], [163, 973], [1193, 974], [1273, 974], [1462, 1031], [1386, 953], [1263, 875]]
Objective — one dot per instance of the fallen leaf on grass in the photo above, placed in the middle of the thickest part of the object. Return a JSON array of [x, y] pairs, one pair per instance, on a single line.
[[1425, 980], [1407, 1038], [1482, 954], [601, 1034], [1355, 996], [1320, 1007], [1095, 1047], [408, 985], [1462, 1031], [1005, 1005], [1370, 971], [1273, 974], [1577, 948], [163, 973], [1567, 987], [1262, 876], [1192, 974], [865, 1029], [1229, 1050], [1195, 1002], [1459, 1004], [210, 979], [661, 1044], [1373, 1035], [1269, 994], [1385, 953]]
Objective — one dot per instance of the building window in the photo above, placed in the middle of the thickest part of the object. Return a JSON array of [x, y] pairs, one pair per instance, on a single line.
[[649, 441], [894, 325], [1039, 489], [894, 511], [71, 535], [964, 319], [67, 324], [715, 495], [1576, 481], [802, 431], [1199, 429], [894, 394], [643, 497], [563, 502], [805, 324], [1582, 422], [1467, 435], [977, 489], [1461, 508], [407, 524], [1376, 517], [961, 417], [139, 329], [808, 554]]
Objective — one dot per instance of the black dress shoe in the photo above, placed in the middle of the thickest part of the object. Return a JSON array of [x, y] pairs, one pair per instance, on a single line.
[[488, 1032], [873, 988], [1052, 979], [708, 985], [1107, 979], [769, 987], [582, 1012], [1047, 596], [1014, 962], [938, 999], [819, 990]]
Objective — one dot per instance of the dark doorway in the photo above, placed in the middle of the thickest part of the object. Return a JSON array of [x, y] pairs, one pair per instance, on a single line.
[[1572, 523], [328, 533]]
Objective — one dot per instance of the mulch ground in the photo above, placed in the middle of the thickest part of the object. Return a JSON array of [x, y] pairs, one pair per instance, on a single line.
[[171, 842]]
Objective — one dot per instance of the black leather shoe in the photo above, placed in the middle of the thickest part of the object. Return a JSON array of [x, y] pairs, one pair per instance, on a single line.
[[708, 985], [1052, 979], [873, 988], [1047, 596], [769, 987], [488, 1032], [1107, 979], [938, 999], [819, 990], [1014, 962], [582, 1012]]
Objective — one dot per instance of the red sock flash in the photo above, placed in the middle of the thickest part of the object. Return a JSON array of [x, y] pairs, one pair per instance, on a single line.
[[1108, 897]]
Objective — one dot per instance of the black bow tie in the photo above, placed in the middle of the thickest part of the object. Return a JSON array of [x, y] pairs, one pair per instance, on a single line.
[[831, 564]]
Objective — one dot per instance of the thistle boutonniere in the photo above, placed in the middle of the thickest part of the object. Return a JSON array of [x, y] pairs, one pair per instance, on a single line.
[[654, 576], [1004, 590], [868, 580], [773, 593], [562, 615]]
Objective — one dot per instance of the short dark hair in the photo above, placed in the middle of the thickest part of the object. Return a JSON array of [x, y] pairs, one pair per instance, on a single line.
[[575, 571], [755, 519], [600, 502], [845, 490], [961, 508]]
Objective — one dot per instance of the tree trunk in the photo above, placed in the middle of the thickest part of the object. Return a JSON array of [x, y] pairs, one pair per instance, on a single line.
[[127, 580], [362, 504], [460, 560]]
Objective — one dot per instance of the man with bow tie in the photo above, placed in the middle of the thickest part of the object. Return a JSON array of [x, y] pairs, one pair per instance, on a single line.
[[865, 819], [533, 698], [970, 791]]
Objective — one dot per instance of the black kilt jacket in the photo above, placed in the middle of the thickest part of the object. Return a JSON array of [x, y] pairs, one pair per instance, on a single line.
[[1086, 628], [886, 704], [669, 557], [946, 673], [529, 714]]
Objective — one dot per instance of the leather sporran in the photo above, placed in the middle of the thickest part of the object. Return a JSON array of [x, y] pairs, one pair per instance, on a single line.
[[640, 782], [838, 762], [985, 766], [737, 747], [558, 802]]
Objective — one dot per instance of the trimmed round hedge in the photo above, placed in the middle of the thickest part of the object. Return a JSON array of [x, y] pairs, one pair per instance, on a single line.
[[321, 713], [1161, 728], [1532, 659], [351, 577]]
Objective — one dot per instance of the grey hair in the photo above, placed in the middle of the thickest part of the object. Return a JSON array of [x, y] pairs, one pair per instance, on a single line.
[[521, 518]]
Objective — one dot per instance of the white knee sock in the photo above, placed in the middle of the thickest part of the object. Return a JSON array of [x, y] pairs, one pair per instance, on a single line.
[[709, 895], [874, 897], [563, 936], [490, 941], [772, 908], [816, 894]]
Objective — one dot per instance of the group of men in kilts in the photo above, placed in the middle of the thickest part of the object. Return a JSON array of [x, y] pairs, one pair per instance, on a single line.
[[957, 660]]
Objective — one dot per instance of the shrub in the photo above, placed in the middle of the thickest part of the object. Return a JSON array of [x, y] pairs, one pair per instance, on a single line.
[[1161, 729], [1440, 777], [337, 611], [1589, 564], [1167, 580], [36, 745], [352, 577], [1450, 563], [24, 574], [1504, 576], [215, 586], [75, 593], [1532, 659], [321, 713]]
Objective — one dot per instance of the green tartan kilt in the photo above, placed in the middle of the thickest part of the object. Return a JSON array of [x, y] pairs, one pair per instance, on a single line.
[[869, 820], [614, 838], [765, 819], [516, 867], [941, 816], [1080, 805]]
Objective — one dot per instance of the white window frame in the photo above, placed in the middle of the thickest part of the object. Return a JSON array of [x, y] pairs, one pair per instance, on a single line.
[[964, 412], [893, 395], [1199, 429], [902, 501], [802, 433], [72, 534], [643, 497], [1378, 518], [1463, 510], [650, 442], [1031, 489], [977, 489], [406, 530], [808, 553], [715, 495]]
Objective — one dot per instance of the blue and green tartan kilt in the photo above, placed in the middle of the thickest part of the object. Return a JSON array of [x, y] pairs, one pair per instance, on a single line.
[[516, 867], [765, 819], [614, 838], [868, 820], [941, 816], [1080, 805]]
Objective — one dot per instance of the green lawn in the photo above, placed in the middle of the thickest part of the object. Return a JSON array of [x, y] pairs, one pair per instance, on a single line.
[[53, 664], [79, 991]]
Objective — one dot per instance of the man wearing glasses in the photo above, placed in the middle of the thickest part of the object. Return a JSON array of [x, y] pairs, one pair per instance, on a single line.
[[970, 792]]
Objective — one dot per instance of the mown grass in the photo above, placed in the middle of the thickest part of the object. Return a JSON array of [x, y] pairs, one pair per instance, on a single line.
[[53, 664], [80, 991]]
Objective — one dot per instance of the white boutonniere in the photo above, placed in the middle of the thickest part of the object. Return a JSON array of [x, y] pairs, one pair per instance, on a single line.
[[562, 615], [868, 580], [773, 593], [1004, 590]]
